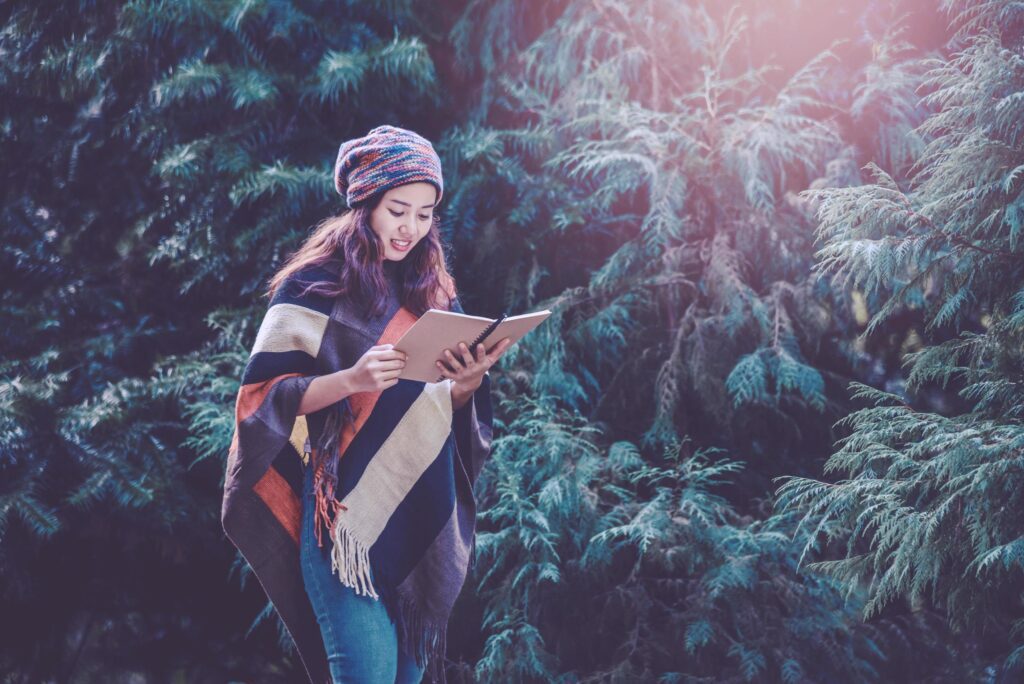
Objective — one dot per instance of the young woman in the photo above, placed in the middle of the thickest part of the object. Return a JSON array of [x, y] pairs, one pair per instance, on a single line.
[[329, 438]]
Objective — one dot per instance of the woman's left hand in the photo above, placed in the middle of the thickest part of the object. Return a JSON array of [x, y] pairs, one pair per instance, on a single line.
[[466, 370]]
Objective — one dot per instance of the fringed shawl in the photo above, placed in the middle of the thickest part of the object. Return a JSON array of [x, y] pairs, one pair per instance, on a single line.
[[403, 503]]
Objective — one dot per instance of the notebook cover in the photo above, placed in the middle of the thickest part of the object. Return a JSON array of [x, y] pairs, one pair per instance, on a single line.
[[437, 330]]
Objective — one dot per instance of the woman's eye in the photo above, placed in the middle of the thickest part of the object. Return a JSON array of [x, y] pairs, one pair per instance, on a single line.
[[397, 214]]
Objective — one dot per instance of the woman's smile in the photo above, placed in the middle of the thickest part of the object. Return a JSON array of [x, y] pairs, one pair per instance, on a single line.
[[401, 245]]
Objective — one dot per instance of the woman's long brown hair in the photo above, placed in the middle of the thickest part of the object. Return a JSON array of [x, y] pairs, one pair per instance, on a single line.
[[348, 240]]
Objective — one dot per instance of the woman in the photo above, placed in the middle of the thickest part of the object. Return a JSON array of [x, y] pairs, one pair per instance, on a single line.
[[329, 438]]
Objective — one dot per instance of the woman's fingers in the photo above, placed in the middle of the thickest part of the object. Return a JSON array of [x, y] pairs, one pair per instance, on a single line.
[[467, 356], [452, 360], [500, 346], [497, 350]]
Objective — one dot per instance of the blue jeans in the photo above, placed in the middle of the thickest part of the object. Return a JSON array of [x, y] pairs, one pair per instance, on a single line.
[[360, 638]]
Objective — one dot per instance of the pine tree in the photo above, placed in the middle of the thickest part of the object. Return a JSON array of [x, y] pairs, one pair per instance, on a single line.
[[652, 177], [926, 510], [636, 168], [164, 157]]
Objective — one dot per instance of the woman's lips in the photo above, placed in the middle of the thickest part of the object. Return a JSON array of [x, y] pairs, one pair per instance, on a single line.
[[401, 245]]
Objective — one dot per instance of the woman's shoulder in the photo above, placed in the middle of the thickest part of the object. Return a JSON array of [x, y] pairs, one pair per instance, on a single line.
[[454, 304], [449, 294], [316, 273], [295, 289]]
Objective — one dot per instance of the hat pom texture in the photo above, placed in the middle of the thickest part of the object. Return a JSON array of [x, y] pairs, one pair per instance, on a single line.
[[385, 157]]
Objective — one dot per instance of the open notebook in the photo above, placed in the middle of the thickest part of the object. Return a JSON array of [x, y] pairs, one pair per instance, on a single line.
[[437, 330]]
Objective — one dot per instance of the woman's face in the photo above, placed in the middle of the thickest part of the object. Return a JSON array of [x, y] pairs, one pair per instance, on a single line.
[[403, 217]]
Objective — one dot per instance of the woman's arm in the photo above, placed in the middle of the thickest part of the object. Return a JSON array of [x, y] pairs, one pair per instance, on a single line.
[[376, 370], [325, 390]]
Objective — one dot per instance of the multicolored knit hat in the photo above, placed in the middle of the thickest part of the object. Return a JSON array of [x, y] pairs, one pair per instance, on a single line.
[[385, 157]]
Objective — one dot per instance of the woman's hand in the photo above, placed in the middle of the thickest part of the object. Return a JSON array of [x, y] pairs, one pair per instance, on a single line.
[[377, 369], [466, 370]]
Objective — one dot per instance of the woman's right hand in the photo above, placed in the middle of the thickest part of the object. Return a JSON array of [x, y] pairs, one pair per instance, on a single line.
[[377, 369]]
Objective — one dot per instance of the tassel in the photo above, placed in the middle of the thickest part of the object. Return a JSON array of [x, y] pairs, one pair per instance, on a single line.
[[350, 559], [422, 637], [326, 511], [325, 480], [418, 635]]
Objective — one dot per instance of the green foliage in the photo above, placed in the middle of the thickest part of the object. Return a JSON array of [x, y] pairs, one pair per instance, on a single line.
[[166, 155], [885, 101], [676, 184], [747, 381], [632, 544], [927, 511], [635, 168]]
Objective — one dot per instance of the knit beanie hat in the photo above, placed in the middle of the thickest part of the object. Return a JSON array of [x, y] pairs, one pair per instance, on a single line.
[[385, 157]]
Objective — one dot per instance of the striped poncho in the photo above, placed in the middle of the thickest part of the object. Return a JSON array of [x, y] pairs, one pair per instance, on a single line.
[[404, 496]]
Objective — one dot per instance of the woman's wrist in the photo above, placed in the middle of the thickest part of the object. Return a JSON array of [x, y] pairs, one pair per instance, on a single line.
[[326, 390], [461, 395], [341, 382]]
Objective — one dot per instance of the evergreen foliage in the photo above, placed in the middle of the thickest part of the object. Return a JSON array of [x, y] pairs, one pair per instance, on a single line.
[[169, 154], [927, 511], [676, 183], [681, 183]]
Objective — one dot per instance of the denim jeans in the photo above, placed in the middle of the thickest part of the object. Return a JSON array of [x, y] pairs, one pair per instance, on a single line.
[[360, 638]]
